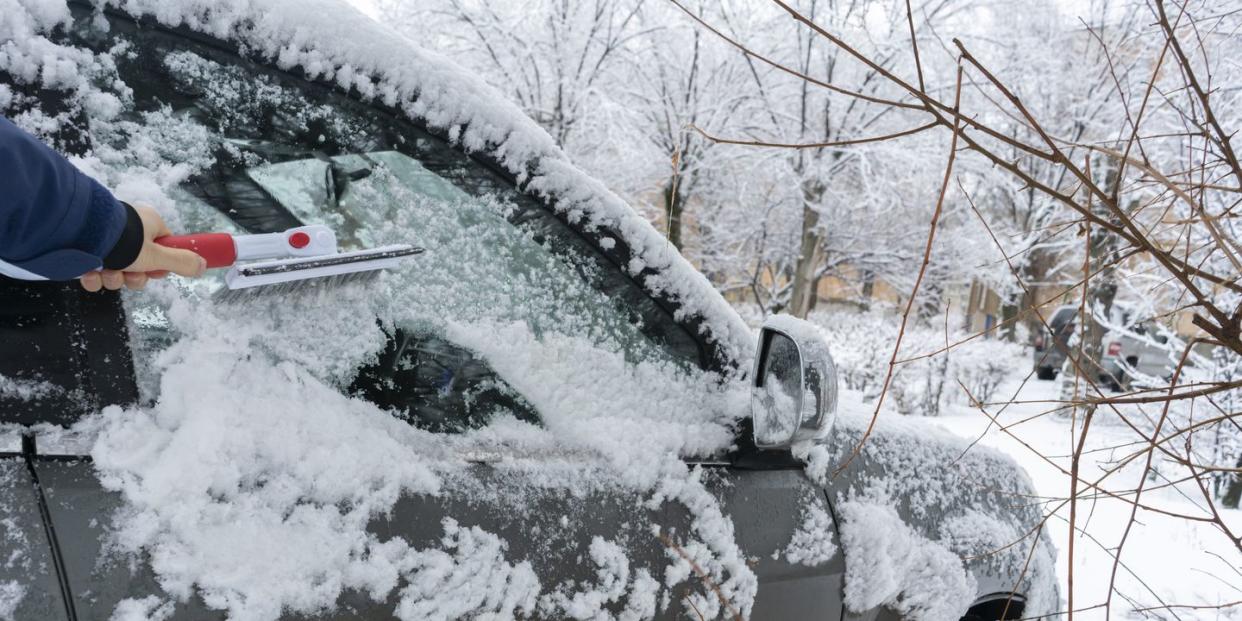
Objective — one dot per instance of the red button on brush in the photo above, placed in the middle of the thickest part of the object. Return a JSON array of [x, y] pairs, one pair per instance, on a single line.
[[299, 240]]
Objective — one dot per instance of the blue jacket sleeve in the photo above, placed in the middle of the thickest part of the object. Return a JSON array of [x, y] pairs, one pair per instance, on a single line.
[[55, 222]]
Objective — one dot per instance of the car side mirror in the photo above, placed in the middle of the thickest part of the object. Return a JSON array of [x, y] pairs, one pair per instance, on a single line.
[[793, 385]]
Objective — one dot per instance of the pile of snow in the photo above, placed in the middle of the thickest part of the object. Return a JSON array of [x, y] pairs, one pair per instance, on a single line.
[[468, 578], [242, 491], [638, 596], [926, 488], [149, 608], [26, 390], [813, 543], [887, 563]]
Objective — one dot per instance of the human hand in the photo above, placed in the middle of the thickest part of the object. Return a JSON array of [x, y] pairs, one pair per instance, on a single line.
[[154, 260]]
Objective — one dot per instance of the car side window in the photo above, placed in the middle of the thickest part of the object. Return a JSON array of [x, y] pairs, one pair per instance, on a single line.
[[279, 151]]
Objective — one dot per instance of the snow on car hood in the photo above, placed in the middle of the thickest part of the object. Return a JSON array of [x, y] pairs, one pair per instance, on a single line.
[[916, 502]]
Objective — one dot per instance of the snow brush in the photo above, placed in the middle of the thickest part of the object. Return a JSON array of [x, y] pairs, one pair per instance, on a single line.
[[289, 261]]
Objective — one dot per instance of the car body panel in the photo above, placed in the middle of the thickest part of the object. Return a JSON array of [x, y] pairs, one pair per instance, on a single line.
[[1137, 351], [40, 321], [973, 500], [552, 528]]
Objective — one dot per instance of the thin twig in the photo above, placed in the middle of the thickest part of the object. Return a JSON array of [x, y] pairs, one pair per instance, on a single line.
[[814, 145]]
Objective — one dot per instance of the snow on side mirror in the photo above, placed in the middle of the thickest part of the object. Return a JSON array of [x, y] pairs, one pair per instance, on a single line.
[[793, 394]]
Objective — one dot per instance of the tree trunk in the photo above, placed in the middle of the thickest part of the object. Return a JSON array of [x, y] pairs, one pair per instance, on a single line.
[[1036, 272], [674, 206], [1102, 290], [868, 289], [1009, 312], [1233, 490], [810, 254]]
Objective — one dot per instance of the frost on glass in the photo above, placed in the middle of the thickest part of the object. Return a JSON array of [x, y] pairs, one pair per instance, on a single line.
[[279, 156], [478, 265]]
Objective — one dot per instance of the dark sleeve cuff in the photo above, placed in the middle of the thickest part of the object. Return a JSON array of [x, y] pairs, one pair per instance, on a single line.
[[126, 250]]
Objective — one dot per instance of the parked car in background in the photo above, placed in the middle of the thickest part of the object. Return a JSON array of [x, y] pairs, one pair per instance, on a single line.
[[1050, 347], [551, 414], [1135, 349]]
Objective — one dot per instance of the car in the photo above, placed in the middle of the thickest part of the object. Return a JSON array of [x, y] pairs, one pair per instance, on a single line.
[[1051, 343], [1139, 351], [1136, 348], [548, 414]]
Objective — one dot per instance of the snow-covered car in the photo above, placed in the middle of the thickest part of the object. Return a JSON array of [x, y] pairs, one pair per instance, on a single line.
[[548, 414]]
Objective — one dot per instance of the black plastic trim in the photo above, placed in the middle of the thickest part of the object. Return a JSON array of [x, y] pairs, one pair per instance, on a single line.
[[1003, 606]]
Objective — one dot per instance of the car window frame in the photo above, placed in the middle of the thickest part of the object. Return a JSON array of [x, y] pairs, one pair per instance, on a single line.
[[711, 356]]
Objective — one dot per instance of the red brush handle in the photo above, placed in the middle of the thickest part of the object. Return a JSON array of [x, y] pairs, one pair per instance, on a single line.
[[218, 248]]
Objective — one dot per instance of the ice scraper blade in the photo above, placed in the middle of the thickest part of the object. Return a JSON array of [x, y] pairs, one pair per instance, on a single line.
[[288, 261]]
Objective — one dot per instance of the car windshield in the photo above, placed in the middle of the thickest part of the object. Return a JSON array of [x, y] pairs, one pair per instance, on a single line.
[[271, 152]]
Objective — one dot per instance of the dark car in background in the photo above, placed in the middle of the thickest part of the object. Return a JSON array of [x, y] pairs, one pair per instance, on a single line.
[[1050, 345]]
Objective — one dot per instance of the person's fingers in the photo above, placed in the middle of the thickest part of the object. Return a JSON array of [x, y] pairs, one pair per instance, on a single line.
[[177, 261], [112, 279], [158, 261], [135, 281], [91, 281]]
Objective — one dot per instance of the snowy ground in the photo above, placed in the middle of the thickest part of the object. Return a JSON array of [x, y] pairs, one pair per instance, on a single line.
[[1167, 562]]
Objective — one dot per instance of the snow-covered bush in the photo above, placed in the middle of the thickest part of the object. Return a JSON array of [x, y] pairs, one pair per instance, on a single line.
[[857, 344], [862, 344], [982, 365]]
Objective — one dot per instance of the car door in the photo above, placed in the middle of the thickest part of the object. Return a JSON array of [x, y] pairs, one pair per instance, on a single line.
[[278, 151], [566, 537]]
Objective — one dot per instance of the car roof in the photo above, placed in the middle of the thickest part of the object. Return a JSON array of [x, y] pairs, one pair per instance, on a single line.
[[332, 41]]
